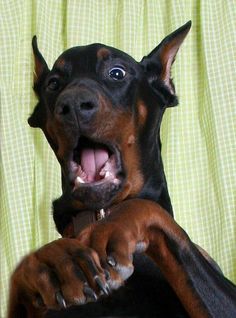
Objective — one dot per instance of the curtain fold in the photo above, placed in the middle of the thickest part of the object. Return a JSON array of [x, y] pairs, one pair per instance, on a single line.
[[198, 136]]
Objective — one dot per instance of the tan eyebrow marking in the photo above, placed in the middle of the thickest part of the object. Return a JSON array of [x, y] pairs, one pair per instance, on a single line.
[[60, 63], [103, 53]]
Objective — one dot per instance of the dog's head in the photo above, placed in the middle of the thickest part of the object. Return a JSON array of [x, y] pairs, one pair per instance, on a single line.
[[100, 111]]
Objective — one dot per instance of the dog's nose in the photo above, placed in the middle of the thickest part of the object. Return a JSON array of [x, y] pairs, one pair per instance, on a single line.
[[84, 107]]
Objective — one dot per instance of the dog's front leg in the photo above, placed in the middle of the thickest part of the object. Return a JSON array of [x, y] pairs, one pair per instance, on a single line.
[[142, 225], [200, 286]]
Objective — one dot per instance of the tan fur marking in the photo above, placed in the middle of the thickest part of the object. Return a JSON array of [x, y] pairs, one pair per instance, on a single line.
[[142, 110], [103, 53], [131, 140], [60, 63]]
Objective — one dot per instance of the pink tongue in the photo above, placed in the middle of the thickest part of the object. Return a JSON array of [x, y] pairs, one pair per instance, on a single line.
[[92, 160]]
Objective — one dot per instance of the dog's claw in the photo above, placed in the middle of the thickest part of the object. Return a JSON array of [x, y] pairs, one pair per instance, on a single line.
[[111, 261], [104, 287], [60, 299], [89, 293], [39, 301], [107, 274]]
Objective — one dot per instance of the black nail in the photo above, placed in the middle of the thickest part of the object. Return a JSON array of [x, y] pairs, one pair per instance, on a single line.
[[107, 288], [104, 287], [107, 274], [89, 293], [111, 261], [60, 299], [39, 301]]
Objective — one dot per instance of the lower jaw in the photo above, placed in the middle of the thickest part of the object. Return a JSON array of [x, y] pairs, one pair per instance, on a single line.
[[98, 196]]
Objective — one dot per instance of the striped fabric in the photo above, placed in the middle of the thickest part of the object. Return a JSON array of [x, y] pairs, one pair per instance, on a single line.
[[198, 136]]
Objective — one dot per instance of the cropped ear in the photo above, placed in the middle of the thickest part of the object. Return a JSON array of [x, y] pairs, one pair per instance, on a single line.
[[158, 63], [40, 66], [40, 72]]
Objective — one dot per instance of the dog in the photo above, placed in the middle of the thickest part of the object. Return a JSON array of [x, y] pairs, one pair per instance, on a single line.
[[121, 253]]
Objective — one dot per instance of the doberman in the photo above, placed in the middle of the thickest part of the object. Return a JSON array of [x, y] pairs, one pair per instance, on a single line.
[[121, 253]]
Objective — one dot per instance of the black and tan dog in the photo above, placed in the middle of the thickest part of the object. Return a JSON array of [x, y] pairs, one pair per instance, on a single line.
[[122, 254]]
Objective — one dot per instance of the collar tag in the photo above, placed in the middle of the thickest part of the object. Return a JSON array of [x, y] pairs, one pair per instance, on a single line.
[[101, 214]]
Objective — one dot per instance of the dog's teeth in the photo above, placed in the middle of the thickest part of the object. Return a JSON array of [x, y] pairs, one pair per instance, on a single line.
[[116, 181], [107, 174], [102, 173], [79, 180]]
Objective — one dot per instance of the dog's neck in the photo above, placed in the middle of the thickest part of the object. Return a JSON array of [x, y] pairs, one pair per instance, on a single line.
[[83, 219]]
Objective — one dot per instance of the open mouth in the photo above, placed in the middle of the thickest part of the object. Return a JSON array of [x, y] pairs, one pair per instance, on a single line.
[[94, 164]]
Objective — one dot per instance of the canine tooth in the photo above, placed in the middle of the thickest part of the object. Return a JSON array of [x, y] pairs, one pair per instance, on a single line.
[[107, 174], [102, 173], [79, 180]]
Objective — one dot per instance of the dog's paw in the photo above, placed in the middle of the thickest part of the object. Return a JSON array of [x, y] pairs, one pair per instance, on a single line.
[[135, 225], [115, 240], [60, 274]]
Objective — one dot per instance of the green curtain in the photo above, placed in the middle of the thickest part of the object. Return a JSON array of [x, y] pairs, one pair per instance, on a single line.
[[199, 149]]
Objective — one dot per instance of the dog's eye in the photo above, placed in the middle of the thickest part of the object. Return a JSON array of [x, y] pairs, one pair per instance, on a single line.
[[53, 84], [117, 73]]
